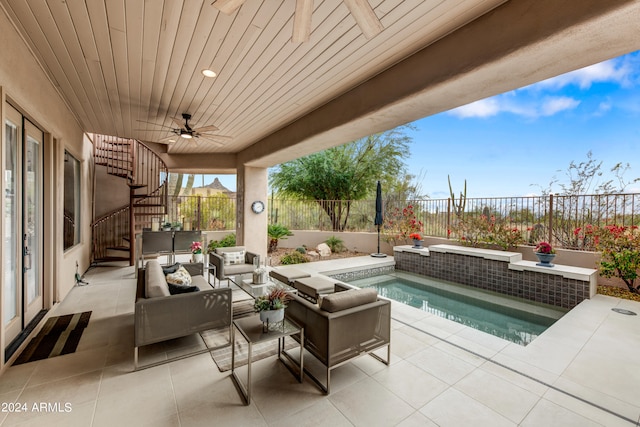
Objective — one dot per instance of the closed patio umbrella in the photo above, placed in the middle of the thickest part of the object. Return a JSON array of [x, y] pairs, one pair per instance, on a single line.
[[378, 219]]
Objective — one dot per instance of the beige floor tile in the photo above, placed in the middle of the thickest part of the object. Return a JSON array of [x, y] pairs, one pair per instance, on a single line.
[[442, 365], [146, 401], [368, 403], [515, 378], [222, 413], [454, 408], [322, 413], [505, 398], [68, 365], [404, 344], [619, 412], [16, 377], [416, 420], [548, 414], [410, 383]]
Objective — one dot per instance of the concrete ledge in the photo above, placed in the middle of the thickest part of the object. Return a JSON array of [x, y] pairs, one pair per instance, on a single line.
[[491, 254], [567, 271], [423, 251]]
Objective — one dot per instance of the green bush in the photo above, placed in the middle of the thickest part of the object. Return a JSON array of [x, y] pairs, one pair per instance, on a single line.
[[335, 244], [225, 242], [294, 257], [302, 250]]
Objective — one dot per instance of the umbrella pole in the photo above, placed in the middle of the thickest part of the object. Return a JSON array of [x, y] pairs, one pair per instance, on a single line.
[[378, 254]]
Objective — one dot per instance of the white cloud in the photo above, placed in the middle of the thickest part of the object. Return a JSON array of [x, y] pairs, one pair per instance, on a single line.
[[554, 105], [483, 108], [506, 104], [613, 70]]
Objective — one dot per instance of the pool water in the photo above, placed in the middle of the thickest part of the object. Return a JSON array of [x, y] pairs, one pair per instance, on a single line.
[[509, 318]]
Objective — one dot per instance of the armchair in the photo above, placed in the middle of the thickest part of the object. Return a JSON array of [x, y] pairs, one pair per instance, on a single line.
[[346, 325], [231, 261]]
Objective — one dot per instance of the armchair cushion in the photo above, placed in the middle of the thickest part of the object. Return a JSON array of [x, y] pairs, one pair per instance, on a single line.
[[180, 277], [348, 299], [233, 258]]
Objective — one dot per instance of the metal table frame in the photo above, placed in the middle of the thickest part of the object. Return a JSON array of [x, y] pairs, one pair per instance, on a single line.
[[251, 329]]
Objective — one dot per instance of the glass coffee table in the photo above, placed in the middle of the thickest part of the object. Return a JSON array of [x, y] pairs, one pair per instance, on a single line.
[[251, 328], [258, 289]]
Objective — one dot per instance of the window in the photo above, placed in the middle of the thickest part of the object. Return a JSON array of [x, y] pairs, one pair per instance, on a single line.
[[71, 200]]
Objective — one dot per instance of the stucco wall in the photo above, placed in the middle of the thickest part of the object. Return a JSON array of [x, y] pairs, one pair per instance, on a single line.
[[28, 89]]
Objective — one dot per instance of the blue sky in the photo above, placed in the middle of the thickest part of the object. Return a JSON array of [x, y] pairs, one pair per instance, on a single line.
[[504, 144]]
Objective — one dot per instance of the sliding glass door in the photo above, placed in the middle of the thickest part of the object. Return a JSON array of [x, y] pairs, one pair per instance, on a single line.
[[23, 285]]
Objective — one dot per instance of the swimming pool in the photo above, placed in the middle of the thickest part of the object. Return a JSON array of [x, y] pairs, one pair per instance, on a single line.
[[505, 317]]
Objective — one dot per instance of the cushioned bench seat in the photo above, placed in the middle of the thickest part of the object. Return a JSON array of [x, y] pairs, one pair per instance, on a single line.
[[314, 286], [288, 275]]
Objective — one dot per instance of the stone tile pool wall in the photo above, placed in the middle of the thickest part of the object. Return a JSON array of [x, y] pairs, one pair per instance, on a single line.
[[561, 286]]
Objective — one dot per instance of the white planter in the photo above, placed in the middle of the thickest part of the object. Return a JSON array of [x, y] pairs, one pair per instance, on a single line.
[[272, 316], [196, 257]]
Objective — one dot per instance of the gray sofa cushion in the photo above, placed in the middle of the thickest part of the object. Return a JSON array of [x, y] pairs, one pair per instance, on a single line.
[[348, 299], [156, 284]]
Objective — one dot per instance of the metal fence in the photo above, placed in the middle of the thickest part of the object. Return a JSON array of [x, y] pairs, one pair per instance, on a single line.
[[552, 218]]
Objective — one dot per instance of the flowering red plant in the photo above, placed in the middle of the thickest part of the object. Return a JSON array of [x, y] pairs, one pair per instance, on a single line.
[[415, 236], [196, 248], [544, 248]]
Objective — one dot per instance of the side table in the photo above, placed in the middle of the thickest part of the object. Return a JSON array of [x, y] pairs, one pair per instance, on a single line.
[[251, 329]]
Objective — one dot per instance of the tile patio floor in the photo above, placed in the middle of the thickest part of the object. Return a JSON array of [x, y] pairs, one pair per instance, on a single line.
[[583, 371]]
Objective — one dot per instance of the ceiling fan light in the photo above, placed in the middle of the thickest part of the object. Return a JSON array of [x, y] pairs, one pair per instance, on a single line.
[[186, 135], [209, 73]]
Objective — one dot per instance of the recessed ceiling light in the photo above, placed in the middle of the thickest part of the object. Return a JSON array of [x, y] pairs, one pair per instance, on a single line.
[[172, 140], [209, 73]]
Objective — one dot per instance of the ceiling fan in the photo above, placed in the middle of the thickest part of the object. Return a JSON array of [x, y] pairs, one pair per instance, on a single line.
[[361, 11], [186, 131]]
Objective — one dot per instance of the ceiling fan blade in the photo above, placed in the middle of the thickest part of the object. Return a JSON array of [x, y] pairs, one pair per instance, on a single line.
[[227, 6], [179, 122], [366, 18], [302, 21], [151, 123], [210, 128]]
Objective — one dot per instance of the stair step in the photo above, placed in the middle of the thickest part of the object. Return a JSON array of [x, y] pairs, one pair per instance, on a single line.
[[148, 213], [148, 205], [136, 186], [119, 248]]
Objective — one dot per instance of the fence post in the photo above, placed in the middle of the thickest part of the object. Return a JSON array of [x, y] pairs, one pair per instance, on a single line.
[[198, 213], [448, 216], [550, 237]]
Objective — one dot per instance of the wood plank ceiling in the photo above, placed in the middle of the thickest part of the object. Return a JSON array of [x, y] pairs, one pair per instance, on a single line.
[[127, 68]]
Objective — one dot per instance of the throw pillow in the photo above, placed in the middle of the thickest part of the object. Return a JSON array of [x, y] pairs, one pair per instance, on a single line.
[[180, 289], [167, 269], [180, 277], [233, 258]]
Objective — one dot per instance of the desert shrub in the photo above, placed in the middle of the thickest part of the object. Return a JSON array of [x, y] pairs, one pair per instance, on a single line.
[[302, 250], [335, 244], [227, 241], [294, 257]]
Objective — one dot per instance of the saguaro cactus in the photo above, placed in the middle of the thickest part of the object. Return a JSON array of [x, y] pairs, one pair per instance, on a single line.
[[458, 206]]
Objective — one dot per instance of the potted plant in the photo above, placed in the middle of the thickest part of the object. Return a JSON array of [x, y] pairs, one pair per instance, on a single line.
[[271, 305], [545, 253], [417, 240], [176, 226], [166, 226], [196, 251]]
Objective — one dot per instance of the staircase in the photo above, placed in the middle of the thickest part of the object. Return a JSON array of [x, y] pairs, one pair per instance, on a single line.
[[113, 234]]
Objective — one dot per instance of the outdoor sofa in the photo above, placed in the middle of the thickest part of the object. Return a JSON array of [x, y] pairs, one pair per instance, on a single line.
[[161, 316], [342, 326]]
